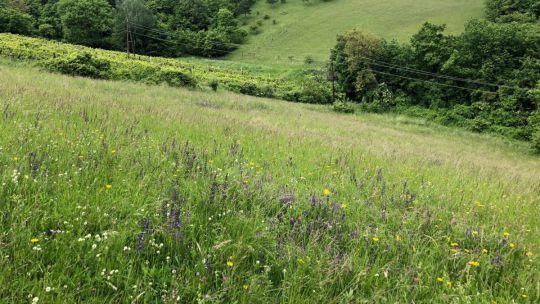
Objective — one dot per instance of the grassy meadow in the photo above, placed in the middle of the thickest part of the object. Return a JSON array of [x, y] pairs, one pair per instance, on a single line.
[[117, 192], [310, 29]]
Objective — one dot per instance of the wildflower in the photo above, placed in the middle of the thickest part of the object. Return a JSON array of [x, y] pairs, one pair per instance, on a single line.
[[94, 246], [512, 245], [48, 289], [484, 251], [474, 263], [440, 280], [245, 287], [113, 151], [108, 186], [398, 237], [529, 254], [448, 283], [326, 192], [524, 296], [506, 234], [375, 239], [34, 240], [251, 164], [35, 300], [230, 262], [343, 206], [454, 244]]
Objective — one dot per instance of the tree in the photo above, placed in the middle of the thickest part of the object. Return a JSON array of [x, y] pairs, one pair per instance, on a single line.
[[15, 21], [244, 7], [352, 59], [431, 47], [86, 22]]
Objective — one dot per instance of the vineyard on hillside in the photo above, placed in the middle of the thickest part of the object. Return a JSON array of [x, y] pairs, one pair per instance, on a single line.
[[97, 63]]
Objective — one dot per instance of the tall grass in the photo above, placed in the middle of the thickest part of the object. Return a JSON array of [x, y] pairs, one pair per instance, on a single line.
[[118, 192]]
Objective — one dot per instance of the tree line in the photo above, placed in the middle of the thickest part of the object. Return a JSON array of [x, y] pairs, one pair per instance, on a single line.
[[485, 79], [158, 27]]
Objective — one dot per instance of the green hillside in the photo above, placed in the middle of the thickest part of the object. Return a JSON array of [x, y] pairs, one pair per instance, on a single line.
[[310, 29], [119, 192]]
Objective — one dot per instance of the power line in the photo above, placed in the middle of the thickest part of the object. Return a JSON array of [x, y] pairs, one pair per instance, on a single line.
[[371, 61], [421, 72], [433, 82]]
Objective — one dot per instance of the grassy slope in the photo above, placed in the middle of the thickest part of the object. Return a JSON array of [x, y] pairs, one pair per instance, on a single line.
[[311, 30], [98, 133]]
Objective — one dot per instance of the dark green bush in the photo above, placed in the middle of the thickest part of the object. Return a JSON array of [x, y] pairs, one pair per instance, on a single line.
[[176, 78], [252, 89], [479, 125], [213, 84], [536, 141], [81, 65], [343, 107]]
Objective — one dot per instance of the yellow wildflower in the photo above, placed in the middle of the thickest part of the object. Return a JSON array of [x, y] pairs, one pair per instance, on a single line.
[[375, 239], [506, 234], [440, 280], [512, 245], [251, 164], [484, 251], [108, 186], [326, 192], [230, 262], [524, 296], [34, 240], [245, 286], [113, 151], [529, 254], [454, 244], [474, 263], [398, 237], [343, 206], [448, 283]]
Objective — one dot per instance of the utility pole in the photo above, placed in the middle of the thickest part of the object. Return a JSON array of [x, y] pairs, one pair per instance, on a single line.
[[129, 40], [333, 79], [127, 37]]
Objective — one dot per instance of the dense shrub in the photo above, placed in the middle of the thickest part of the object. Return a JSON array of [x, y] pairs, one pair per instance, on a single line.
[[81, 65], [250, 88], [176, 78], [213, 84], [343, 106], [536, 141]]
